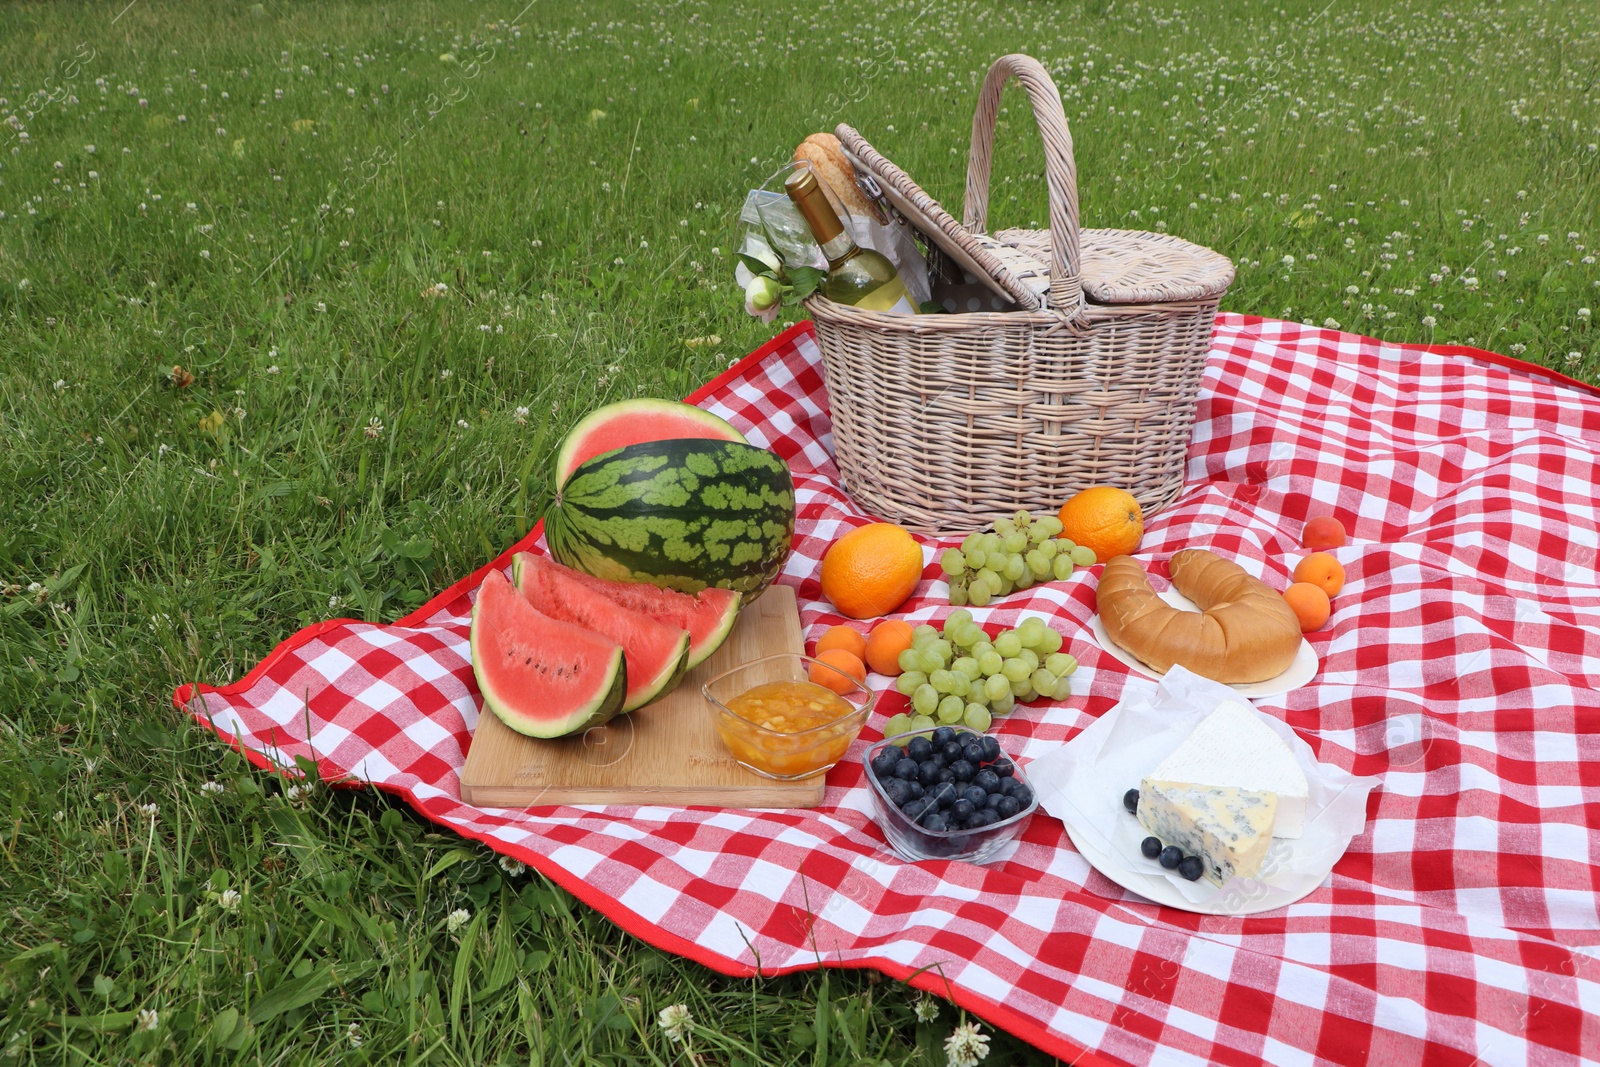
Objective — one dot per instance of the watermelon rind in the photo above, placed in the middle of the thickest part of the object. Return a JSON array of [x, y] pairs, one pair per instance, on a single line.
[[506, 627], [681, 514], [709, 615], [638, 420], [550, 590]]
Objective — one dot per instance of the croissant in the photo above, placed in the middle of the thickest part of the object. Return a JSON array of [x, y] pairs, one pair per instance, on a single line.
[[1243, 632]]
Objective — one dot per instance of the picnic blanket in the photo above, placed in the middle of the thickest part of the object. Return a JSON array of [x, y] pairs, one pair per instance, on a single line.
[[1460, 665]]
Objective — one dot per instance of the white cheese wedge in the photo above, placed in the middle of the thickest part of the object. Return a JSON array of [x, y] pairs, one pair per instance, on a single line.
[[1229, 829], [1232, 746]]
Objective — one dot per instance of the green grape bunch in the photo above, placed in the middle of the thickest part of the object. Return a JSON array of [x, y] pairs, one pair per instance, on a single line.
[[958, 676], [1021, 552]]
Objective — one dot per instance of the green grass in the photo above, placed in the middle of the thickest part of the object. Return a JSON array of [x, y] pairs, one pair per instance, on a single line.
[[350, 443]]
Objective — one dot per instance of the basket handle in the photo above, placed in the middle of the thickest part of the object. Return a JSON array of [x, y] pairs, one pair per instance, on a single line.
[[1060, 172]]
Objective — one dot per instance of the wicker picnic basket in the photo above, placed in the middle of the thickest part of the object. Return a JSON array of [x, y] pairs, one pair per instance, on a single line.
[[943, 422]]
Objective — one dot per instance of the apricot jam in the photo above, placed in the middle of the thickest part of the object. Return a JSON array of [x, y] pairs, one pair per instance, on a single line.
[[789, 729]]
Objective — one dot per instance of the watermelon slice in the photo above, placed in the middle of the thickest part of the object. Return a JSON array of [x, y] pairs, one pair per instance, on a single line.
[[632, 422], [541, 676], [656, 652], [708, 615]]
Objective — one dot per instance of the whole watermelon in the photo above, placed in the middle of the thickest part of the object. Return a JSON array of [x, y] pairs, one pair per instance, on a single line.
[[682, 514]]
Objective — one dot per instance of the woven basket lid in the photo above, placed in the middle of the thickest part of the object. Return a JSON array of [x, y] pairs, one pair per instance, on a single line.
[[1115, 266], [1133, 266]]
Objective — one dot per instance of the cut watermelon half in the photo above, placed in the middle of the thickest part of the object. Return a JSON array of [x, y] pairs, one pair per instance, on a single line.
[[708, 615], [541, 676], [657, 654], [633, 422]]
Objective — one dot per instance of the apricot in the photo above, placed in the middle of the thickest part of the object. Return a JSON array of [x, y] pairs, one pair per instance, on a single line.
[[845, 637], [1310, 604], [888, 639], [1323, 531], [841, 660], [1322, 570]]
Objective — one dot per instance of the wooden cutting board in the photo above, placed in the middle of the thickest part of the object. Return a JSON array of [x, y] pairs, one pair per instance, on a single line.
[[665, 753]]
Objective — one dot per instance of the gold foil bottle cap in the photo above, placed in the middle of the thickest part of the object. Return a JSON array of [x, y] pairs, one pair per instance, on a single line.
[[807, 194]]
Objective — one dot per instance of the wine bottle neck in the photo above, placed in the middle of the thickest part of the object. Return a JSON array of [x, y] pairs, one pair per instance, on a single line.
[[841, 248]]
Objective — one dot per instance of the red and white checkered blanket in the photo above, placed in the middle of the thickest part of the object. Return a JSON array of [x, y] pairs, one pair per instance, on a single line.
[[1460, 665]]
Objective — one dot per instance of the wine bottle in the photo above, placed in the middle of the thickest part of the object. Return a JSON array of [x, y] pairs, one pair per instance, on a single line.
[[857, 276]]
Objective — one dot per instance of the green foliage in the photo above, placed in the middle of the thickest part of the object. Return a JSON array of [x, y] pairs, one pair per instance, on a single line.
[[296, 338]]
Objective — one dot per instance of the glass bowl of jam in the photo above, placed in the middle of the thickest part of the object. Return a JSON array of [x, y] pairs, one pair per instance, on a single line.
[[787, 716]]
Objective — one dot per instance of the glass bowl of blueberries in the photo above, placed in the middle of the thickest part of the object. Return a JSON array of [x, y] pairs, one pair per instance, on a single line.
[[947, 794]]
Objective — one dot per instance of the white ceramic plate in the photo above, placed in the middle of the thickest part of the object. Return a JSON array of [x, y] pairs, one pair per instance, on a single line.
[[1082, 783], [1301, 671]]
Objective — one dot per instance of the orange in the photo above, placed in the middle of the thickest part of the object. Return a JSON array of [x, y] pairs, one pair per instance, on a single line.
[[843, 637], [1322, 571], [844, 661], [1104, 519], [1310, 605], [870, 571], [888, 639], [1321, 532]]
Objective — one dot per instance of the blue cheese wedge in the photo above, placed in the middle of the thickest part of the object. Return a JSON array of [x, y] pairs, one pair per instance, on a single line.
[[1233, 747], [1230, 829]]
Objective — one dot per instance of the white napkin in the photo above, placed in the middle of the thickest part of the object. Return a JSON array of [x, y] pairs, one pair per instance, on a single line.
[[1082, 784]]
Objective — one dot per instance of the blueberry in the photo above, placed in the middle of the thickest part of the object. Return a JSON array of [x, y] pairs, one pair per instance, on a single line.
[[962, 808], [964, 737], [1021, 794], [1170, 857], [1151, 847], [991, 747], [951, 751], [928, 772], [1191, 867], [883, 763], [986, 780], [1003, 767], [992, 801], [936, 823], [1007, 807], [982, 817], [895, 789], [942, 736], [1130, 800], [972, 752], [914, 810], [905, 768], [963, 770], [975, 793], [919, 749], [942, 794], [914, 789]]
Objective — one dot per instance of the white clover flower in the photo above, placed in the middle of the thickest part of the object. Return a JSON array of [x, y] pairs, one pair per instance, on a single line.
[[229, 900], [373, 428], [965, 1046], [1573, 357], [520, 415], [675, 1021], [148, 1019], [1470, 282], [335, 602], [1429, 321], [1543, 238], [512, 866], [149, 810], [211, 787], [462, 424], [445, 375], [927, 1009], [1288, 261], [1352, 289], [1518, 348], [457, 919], [352, 1034], [1583, 313], [1330, 323]]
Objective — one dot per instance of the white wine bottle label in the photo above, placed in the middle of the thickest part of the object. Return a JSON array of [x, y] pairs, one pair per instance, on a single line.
[[891, 298]]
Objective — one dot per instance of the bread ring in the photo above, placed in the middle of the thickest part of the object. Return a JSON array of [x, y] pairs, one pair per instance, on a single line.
[[1243, 632]]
